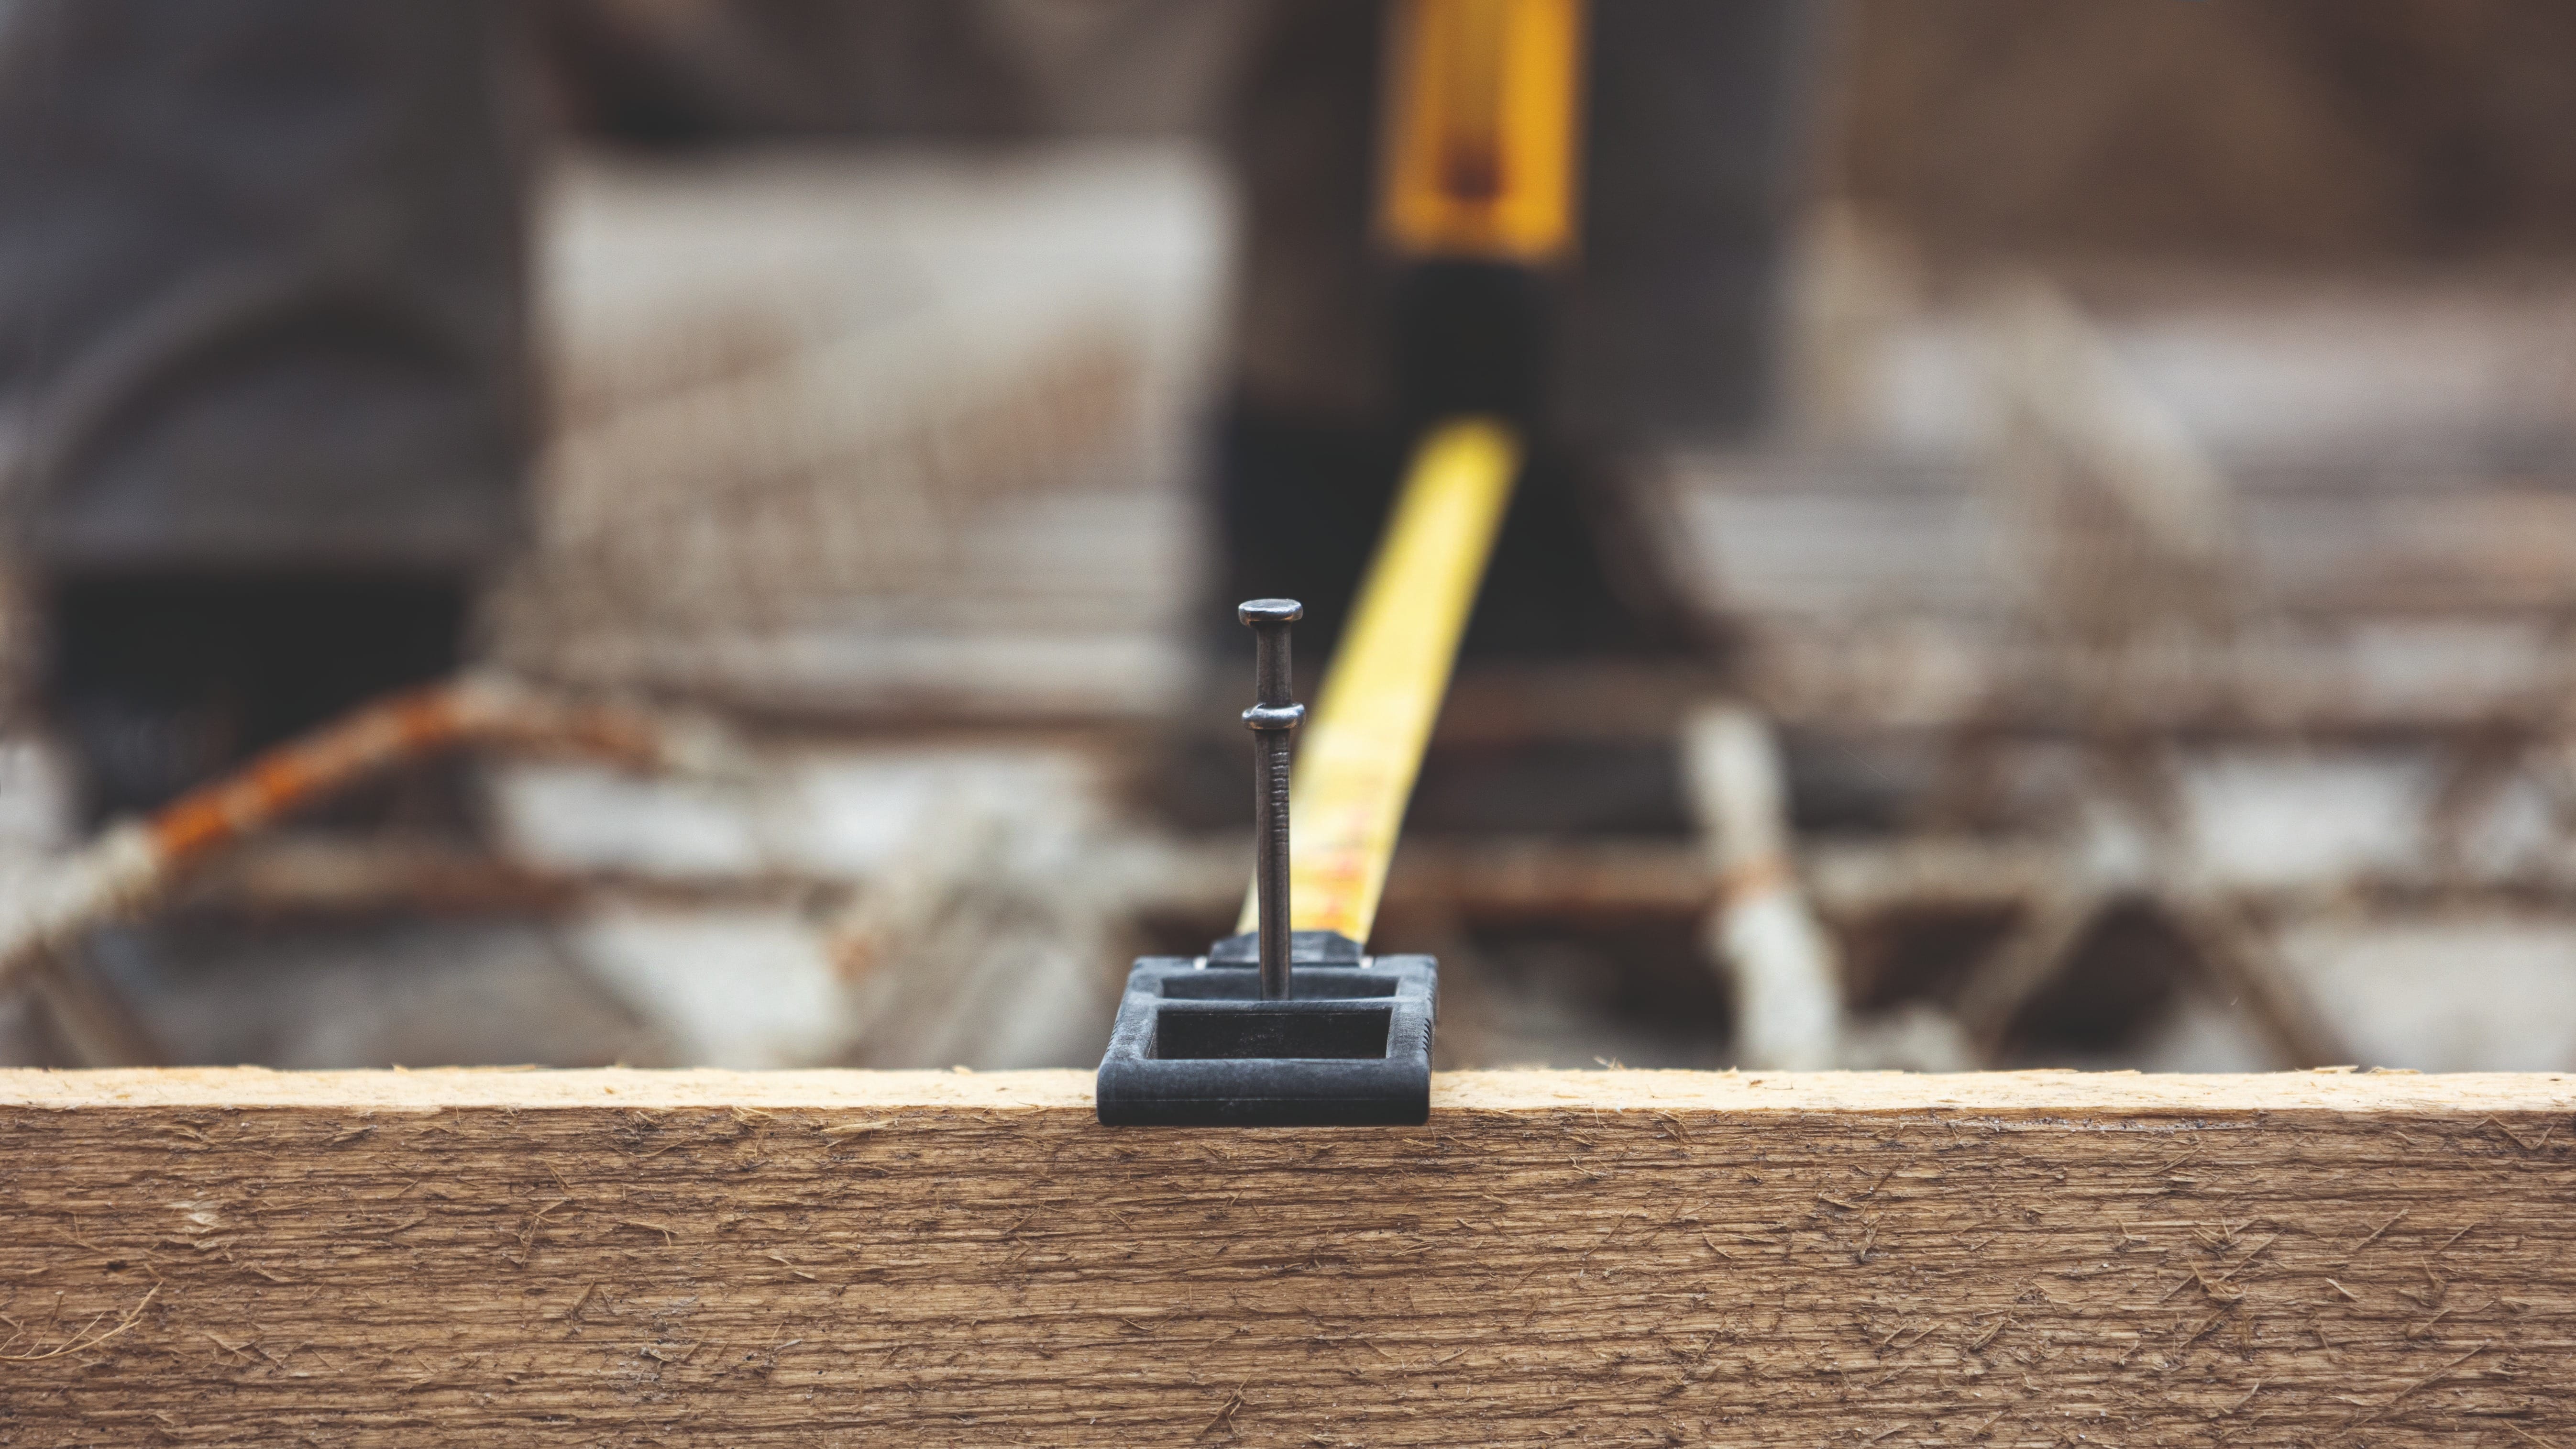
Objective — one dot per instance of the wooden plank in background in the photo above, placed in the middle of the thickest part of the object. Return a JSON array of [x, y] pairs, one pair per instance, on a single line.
[[636, 1257]]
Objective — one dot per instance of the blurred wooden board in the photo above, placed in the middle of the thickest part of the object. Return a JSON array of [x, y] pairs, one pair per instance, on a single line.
[[953, 1259], [2392, 484], [1877, 594], [891, 434]]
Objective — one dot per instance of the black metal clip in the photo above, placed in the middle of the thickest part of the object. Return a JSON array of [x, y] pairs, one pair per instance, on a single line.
[[1315, 1033]]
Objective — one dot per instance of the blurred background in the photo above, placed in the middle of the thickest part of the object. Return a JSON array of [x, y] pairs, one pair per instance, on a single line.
[[2050, 540]]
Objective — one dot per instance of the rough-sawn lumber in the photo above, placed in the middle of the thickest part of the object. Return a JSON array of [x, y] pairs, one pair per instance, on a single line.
[[1632, 1257]]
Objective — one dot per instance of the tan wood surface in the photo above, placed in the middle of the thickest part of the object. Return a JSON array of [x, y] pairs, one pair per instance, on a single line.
[[1602, 1257]]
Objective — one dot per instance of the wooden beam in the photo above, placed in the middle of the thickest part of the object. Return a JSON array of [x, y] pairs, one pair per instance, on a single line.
[[1638, 1257]]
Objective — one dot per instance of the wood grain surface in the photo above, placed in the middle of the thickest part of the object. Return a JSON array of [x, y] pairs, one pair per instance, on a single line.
[[1605, 1257]]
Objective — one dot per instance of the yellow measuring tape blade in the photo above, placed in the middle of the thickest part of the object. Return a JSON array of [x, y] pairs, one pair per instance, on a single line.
[[1356, 764]]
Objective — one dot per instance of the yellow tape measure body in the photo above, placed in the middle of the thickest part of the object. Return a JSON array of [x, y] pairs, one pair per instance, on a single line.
[[1357, 762], [1485, 96]]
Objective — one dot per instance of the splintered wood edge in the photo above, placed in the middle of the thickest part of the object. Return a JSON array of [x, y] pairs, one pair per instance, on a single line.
[[2019, 1093]]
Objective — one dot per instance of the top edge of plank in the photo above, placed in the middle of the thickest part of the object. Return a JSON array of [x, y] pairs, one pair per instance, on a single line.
[[2019, 1093]]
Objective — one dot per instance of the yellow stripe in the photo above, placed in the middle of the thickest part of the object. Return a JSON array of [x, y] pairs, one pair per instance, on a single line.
[[1356, 765]]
